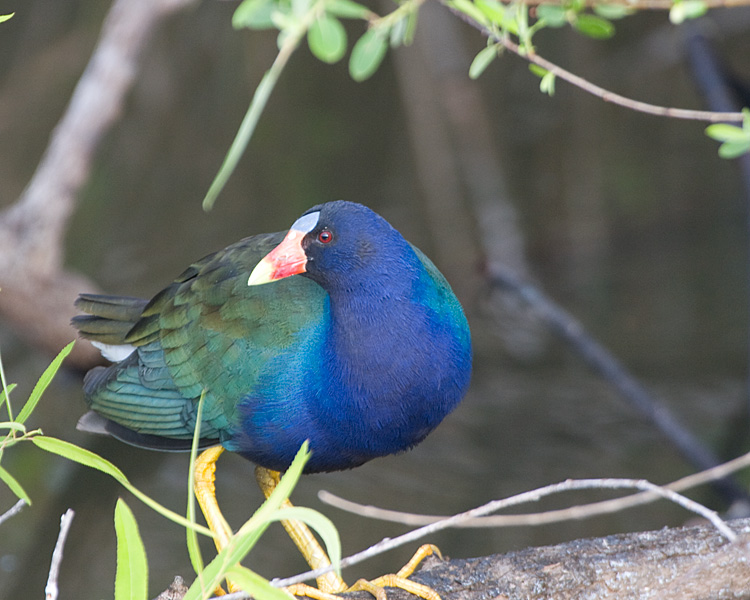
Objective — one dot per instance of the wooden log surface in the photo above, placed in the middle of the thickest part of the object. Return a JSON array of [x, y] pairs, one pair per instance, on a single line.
[[672, 563], [684, 563]]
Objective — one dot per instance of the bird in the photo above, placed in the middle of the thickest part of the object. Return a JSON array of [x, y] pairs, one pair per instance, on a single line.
[[336, 332]]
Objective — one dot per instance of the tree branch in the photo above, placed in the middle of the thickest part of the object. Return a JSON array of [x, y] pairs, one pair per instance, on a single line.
[[598, 91], [51, 591], [37, 293]]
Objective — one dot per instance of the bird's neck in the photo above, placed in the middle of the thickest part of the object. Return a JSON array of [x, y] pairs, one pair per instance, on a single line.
[[375, 327]]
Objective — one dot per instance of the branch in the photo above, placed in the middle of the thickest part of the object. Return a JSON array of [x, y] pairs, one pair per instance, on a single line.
[[595, 90], [544, 518], [670, 564], [612, 97], [531, 496], [51, 590], [12, 511], [37, 293]]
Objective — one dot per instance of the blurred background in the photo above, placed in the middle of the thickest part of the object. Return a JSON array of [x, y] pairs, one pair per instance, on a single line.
[[630, 222]]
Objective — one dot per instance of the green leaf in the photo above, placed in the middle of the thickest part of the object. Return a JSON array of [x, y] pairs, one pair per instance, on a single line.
[[4, 18], [398, 32], [43, 383], [90, 459], [552, 15], [346, 9], [14, 486], [492, 9], [79, 455], [470, 10], [301, 7], [734, 149], [367, 54], [537, 70], [687, 9], [594, 27], [258, 587], [13, 425], [327, 39], [194, 550], [411, 28], [612, 11], [254, 14], [482, 61], [724, 132], [547, 84], [131, 579], [524, 31], [4, 393], [323, 526]]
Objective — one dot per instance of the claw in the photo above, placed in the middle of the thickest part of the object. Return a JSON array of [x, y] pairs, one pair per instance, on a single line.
[[328, 585], [376, 587]]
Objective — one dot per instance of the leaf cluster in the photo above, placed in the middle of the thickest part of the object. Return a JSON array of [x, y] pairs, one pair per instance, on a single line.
[[519, 22], [131, 579], [320, 22], [735, 141]]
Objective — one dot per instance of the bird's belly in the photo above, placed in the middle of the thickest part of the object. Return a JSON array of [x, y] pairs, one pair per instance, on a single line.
[[342, 435]]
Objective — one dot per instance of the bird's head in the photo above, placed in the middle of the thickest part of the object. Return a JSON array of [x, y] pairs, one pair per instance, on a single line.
[[330, 243]]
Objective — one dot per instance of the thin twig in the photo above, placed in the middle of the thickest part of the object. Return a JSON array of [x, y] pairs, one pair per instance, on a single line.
[[531, 496], [12, 511], [51, 590], [607, 96], [598, 91], [544, 518]]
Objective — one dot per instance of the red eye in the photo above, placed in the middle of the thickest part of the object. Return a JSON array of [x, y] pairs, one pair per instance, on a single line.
[[325, 237]]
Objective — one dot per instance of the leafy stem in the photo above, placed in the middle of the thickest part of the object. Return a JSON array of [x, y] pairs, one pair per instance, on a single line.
[[291, 36]]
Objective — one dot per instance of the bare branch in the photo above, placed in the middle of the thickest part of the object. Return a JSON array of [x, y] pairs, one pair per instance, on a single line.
[[544, 518], [612, 97], [388, 544], [12, 511], [51, 590]]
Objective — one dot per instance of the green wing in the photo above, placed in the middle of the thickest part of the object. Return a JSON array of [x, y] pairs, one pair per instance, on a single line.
[[208, 330]]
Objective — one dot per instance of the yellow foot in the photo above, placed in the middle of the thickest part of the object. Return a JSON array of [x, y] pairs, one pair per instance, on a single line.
[[377, 586]]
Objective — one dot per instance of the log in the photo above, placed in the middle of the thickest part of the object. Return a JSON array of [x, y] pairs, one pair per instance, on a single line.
[[672, 563], [695, 563]]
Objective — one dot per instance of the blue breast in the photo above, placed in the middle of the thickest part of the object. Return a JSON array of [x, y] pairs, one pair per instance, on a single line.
[[371, 376]]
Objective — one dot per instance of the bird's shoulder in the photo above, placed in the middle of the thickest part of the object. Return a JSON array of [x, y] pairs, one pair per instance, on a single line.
[[212, 295]]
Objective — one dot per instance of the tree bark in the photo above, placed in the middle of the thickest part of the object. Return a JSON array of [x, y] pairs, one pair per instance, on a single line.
[[687, 562], [694, 563]]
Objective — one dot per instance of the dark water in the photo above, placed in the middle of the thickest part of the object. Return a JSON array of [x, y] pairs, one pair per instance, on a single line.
[[630, 222]]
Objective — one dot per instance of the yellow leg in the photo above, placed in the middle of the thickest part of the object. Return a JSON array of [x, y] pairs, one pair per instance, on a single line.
[[205, 491], [302, 537], [331, 584]]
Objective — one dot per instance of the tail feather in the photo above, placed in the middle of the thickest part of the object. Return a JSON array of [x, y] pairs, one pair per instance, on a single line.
[[109, 318], [92, 422], [119, 308]]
